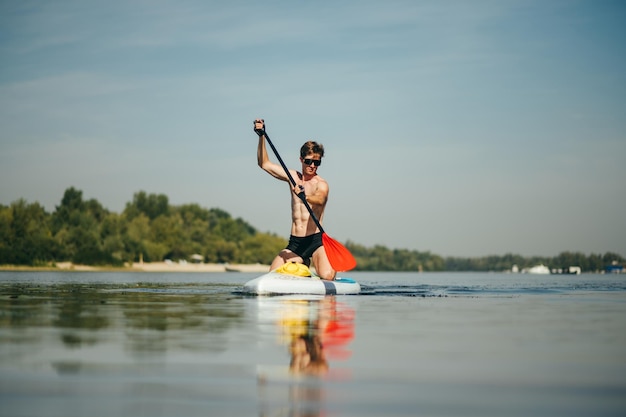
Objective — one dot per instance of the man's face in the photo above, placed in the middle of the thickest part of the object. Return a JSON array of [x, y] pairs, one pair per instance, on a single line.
[[310, 163]]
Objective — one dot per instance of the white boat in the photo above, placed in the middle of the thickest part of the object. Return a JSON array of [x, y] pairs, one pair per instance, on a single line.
[[539, 269], [293, 278]]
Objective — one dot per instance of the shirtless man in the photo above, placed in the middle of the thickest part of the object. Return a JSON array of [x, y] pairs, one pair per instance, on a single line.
[[305, 242]]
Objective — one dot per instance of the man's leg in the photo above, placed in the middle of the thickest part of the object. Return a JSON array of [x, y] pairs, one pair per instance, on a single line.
[[322, 264], [283, 257]]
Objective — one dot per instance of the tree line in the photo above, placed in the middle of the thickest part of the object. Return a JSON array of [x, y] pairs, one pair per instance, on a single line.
[[381, 258], [150, 229]]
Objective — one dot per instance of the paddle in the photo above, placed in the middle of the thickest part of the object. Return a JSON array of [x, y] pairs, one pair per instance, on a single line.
[[338, 255]]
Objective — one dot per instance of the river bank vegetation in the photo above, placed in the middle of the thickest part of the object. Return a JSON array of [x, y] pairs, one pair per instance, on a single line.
[[152, 230]]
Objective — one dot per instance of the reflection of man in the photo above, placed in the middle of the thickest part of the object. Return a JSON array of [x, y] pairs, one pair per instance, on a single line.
[[311, 332], [307, 356]]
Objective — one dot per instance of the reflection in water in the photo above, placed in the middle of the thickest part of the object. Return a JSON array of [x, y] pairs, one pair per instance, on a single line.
[[313, 331], [153, 318], [159, 345], [124, 348], [307, 356]]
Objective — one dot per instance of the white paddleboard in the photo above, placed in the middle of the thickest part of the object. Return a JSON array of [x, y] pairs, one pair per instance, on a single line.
[[297, 279]]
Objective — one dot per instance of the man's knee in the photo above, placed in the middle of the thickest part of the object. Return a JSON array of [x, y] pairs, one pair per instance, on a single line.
[[326, 273]]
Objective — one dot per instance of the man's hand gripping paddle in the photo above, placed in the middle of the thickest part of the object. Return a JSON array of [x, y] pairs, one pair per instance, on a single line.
[[338, 255]]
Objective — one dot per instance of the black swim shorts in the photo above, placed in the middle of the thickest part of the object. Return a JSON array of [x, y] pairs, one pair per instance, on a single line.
[[305, 246]]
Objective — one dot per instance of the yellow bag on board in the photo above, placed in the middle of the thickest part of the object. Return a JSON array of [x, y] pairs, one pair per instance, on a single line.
[[292, 268]]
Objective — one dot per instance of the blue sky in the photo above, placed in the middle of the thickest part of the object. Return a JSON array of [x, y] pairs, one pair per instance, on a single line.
[[460, 128]]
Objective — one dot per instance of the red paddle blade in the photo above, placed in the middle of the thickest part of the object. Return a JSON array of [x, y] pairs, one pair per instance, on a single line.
[[339, 257]]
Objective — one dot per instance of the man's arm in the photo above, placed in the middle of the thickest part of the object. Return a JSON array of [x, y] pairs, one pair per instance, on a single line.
[[263, 159], [320, 196]]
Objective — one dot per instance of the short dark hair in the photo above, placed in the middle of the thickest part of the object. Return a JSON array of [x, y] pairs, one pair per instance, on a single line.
[[311, 147]]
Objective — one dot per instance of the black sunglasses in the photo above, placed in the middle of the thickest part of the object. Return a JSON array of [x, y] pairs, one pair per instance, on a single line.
[[316, 162]]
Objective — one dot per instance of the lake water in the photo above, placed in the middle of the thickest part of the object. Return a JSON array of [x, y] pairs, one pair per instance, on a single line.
[[431, 344]]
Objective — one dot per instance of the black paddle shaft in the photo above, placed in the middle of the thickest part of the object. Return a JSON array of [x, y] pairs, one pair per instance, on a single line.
[[293, 182]]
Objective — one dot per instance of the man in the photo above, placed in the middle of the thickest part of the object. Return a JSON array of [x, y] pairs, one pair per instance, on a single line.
[[305, 242]]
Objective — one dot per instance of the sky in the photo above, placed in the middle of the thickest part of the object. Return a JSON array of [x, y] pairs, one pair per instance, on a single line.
[[459, 128]]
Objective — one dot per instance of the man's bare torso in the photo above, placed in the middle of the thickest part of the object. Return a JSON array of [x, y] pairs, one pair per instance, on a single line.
[[301, 222]]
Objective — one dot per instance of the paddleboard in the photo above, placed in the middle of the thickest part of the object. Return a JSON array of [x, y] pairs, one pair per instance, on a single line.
[[293, 278]]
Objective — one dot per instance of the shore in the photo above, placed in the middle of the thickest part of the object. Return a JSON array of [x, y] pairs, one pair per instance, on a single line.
[[145, 267]]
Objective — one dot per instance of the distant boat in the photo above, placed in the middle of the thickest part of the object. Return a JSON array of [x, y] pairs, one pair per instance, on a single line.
[[196, 258], [539, 269], [231, 269], [571, 270]]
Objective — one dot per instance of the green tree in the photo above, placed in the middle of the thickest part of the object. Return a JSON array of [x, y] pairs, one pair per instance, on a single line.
[[136, 237], [151, 205], [261, 248], [77, 230], [25, 237], [168, 232], [112, 231]]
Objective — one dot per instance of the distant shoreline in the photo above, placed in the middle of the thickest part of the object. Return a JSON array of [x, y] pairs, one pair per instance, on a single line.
[[144, 267]]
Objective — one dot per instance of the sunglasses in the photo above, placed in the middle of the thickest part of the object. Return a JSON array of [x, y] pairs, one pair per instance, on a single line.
[[316, 162]]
